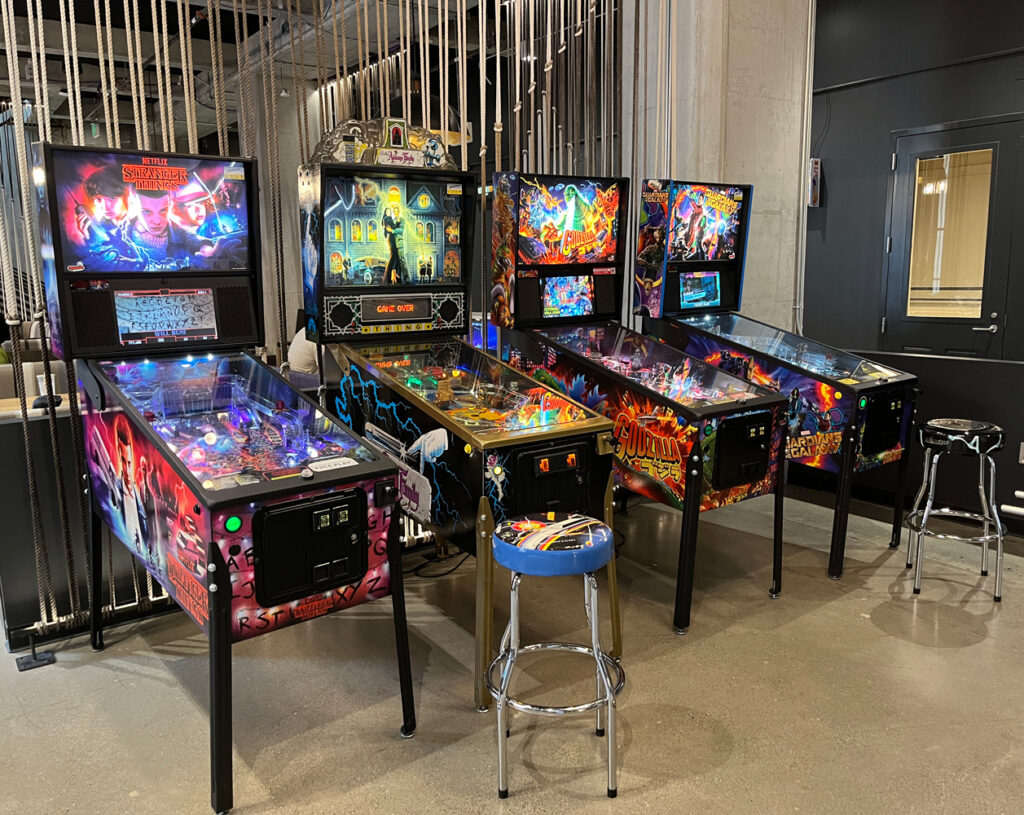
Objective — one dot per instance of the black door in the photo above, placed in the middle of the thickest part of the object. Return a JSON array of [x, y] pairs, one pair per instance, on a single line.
[[951, 221]]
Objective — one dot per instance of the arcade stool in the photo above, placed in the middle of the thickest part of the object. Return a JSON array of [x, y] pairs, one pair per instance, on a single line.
[[554, 544], [958, 437]]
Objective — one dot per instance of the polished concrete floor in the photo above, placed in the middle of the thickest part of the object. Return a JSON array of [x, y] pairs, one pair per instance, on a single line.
[[850, 696]]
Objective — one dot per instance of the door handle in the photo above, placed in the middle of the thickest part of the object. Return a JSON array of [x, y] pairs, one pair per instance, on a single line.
[[991, 329]]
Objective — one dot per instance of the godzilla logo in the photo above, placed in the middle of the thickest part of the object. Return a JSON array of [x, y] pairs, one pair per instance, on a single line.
[[657, 456]]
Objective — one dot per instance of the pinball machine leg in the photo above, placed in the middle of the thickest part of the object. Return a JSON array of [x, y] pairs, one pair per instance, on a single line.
[[613, 577], [401, 626], [96, 581], [484, 603], [780, 502], [841, 515], [687, 550], [221, 784], [897, 509]]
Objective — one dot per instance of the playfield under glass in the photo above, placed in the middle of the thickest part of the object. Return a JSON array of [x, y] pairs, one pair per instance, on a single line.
[[231, 421], [653, 365], [802, 352], [473, 389]]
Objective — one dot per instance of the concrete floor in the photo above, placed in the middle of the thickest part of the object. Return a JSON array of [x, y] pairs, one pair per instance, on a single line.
[[850, 696]]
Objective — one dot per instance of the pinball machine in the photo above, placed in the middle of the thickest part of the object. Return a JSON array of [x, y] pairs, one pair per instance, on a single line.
[[686, 434], [845, 414], [252, 507], [386, 272]]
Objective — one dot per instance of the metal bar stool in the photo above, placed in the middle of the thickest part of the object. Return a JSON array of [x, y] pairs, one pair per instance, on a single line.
[[940, 437], [550, 545]]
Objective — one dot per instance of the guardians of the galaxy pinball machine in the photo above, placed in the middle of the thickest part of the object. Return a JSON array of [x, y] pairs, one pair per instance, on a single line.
[[845, 413]]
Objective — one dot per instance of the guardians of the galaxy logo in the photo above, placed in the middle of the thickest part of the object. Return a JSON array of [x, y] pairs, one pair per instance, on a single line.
[[647, 452], [818, 444]]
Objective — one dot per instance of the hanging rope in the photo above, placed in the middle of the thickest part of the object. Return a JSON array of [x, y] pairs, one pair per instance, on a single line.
[[321, 64], [217, 75], [159, 36], [166, 56], [44, 577], [188, 75], [497, 127], [347, 88], [115, 110], [382, 54], [336, 86]]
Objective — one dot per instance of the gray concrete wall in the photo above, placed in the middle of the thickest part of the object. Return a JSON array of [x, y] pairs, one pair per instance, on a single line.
[[737, 95]]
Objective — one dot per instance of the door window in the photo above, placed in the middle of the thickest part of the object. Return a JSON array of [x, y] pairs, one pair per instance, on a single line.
[[950, 230]]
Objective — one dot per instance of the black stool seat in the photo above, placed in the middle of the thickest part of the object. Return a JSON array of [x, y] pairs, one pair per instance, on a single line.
[[961, 436]]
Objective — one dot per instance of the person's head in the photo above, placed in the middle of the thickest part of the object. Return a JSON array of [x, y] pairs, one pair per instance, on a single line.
[[154, 210], [195, 212], [105, 191], [387, 212]]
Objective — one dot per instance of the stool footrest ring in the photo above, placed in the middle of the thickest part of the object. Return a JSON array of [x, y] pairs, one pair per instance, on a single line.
[[913, 523], [614, 670]]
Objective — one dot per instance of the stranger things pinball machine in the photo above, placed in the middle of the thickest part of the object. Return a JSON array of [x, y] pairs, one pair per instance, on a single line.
[[845, 414], [252, 507], [476, 442], [686, 434]]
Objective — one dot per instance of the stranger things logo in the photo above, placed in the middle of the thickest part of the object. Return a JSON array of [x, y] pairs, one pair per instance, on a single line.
[[154, 174]]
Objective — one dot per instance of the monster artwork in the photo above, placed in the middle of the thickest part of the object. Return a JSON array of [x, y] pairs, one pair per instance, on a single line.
[[652, 440], [561, 222]]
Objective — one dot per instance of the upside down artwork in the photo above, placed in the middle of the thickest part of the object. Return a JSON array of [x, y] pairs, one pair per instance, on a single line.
[[150, 213]]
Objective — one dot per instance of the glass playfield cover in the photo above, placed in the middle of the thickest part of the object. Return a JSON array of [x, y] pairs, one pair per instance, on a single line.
[[231, 421]]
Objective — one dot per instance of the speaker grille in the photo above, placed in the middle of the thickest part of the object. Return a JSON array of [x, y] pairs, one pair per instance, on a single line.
[[95, 321], [234, 316]]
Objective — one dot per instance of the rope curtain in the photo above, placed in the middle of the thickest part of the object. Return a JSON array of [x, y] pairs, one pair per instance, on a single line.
[[549, 78]]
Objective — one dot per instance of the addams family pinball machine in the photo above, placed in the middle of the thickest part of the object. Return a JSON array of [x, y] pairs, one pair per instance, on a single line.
[[476, 442], [251, 506], [686, 434], [846, 414]]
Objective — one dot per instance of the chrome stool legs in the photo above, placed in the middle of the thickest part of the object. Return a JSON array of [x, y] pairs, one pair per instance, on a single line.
[[918, 519], [608, 686]]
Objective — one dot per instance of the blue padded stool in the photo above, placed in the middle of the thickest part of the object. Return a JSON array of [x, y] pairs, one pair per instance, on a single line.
[[554, 544]]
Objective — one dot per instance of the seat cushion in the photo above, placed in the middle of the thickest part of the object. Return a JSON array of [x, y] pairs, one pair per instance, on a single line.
[[553, 543], [962, 436]]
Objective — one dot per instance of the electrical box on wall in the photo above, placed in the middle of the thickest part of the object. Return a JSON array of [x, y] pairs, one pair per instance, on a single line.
[[814, 183]]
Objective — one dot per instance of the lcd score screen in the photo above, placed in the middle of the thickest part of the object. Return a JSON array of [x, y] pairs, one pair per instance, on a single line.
[[157, 316], [699, 290], [569, 296]]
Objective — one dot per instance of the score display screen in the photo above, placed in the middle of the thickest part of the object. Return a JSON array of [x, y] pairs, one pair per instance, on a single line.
[[387, 308], [567, 222], [699, 290], [157, 316], [704, 222], [569, 296], [150, 212]]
